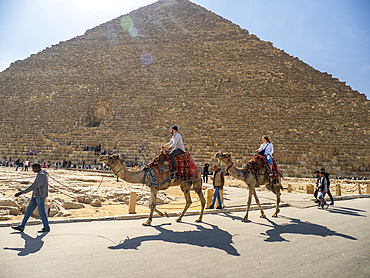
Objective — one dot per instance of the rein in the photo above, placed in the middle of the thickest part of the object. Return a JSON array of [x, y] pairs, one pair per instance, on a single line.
[[228, 167]]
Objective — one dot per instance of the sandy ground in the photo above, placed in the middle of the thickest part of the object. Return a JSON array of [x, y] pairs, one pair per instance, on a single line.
[[67, 185]]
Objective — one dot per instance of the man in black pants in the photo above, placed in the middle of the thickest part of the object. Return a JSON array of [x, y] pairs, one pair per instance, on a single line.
[[176, 146], [328, 184]]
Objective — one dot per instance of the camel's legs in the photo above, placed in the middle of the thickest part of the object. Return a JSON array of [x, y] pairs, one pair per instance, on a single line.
[[198, 189], [258, 203], [277, 192], [153, 202], [161, 214], [185, 187], [251, 189]]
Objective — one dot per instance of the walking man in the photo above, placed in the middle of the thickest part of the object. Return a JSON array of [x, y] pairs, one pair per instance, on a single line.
[[328, 186], [322, 187], [218, 184], [39, 190]]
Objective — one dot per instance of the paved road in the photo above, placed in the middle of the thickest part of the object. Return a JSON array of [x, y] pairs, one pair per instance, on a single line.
[[300, 243]]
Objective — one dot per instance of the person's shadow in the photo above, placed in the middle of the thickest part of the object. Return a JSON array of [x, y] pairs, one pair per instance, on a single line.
[[296, 226], [31, 245], [202, 236]]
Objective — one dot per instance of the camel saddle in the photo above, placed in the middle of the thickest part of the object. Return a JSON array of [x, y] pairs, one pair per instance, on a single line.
[[186, 168], [258, 162]]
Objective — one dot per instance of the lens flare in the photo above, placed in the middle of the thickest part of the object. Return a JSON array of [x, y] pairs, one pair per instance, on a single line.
[[133, 31], [126, 22], [111, 34], [146, 59]]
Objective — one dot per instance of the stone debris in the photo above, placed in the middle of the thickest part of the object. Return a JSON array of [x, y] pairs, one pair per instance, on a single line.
[[96, 203], [8, 202], [72, 205]]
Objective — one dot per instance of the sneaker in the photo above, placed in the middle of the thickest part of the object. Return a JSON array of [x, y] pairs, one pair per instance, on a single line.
[[44, 230], [271, 173], [219, 207], [18, 228], [332, 204], [326, 206], [210, 207]]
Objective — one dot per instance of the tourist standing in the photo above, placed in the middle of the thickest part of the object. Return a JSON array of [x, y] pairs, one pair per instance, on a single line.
[[218, 184], [39, 190], [26, 165], [205, 172]]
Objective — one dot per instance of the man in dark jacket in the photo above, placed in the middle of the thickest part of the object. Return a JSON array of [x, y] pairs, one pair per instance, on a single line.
[[328, 186], [39, 190]]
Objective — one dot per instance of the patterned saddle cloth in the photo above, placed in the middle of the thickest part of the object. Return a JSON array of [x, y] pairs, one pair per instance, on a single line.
[[158, 170], [258, 162], [186, 168]]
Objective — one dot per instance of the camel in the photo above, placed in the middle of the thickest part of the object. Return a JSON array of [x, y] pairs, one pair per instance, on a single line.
[[252, 183], [119, 169]]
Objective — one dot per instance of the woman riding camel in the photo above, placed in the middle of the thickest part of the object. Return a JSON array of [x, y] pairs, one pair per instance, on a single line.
[[267, 149]]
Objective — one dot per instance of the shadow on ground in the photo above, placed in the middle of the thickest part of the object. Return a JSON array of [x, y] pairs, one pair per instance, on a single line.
[[212, 237], [31, 245], [296, 226]]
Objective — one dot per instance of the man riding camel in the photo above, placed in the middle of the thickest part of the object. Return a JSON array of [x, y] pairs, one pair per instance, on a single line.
[[176, 146]]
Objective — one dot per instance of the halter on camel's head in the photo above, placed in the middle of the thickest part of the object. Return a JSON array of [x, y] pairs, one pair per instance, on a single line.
[[111, 159], [226, 157]]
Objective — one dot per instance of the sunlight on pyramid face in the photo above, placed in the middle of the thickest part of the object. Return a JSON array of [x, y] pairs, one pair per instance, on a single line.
[[146, 59], [111, 34]]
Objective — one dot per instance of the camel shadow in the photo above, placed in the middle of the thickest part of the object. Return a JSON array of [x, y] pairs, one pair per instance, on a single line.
[[31, 245], [296, 226], [213, 237]]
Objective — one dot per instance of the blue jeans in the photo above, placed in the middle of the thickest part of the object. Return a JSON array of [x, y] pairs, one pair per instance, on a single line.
[[216, 194], [40, 204], [269, 159]]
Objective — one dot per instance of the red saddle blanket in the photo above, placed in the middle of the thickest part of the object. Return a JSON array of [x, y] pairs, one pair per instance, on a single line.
[[186, 167], [258, 162]]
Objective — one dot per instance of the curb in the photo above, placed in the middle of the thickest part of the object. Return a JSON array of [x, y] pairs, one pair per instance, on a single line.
[[347, 197], [141, 215], [170, 214]]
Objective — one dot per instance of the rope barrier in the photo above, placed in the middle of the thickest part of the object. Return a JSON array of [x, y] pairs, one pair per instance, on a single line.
[[72, 189]]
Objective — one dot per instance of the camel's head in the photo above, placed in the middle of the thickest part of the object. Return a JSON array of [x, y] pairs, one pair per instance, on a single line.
[[225, 157], [111, 160]]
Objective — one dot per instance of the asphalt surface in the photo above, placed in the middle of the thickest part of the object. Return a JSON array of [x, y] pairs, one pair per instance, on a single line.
[[299, 243]]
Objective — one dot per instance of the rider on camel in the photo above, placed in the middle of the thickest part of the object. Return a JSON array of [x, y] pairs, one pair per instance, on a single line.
[[267, 149], [176, 146]]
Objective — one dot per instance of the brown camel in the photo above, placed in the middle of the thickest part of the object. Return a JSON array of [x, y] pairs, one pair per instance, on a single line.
[[252, 182], [118, 168]]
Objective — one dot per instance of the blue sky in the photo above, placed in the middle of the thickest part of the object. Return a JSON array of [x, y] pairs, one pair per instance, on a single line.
[[330, 35]]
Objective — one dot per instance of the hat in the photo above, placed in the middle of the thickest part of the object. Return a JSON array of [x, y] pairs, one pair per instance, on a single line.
[[175, 128]]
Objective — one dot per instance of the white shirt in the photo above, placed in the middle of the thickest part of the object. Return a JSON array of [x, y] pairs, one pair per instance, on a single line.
[[176, 142], [269, 149]]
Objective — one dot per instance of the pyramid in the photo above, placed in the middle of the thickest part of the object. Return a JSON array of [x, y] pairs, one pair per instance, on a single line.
[[125, 82]]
